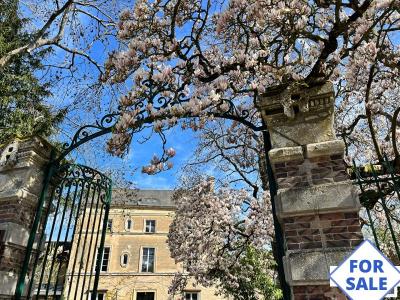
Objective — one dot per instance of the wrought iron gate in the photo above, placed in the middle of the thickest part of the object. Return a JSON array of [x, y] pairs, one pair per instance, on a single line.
[[379, 187], [66, 243], [70, 230]]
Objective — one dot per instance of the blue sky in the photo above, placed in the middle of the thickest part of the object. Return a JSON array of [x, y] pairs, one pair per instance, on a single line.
[[94, 154], [90, 105], [183, 141]]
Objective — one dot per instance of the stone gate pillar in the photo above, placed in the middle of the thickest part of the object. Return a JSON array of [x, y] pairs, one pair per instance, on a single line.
[[317, 205], [22, 167]]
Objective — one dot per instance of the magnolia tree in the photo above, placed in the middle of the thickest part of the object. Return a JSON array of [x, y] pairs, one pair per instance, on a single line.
[[234, 152], [189, 63], [247, 271], [213, 234], [198, 60]]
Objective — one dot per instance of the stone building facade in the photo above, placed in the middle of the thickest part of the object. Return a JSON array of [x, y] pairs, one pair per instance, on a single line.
[[136, 264]]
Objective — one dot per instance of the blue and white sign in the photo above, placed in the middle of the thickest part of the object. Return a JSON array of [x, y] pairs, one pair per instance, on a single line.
[[366, 274]]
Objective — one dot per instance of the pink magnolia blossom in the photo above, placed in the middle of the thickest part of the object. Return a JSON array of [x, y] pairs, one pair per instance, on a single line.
[[211, 229], [194, 75]]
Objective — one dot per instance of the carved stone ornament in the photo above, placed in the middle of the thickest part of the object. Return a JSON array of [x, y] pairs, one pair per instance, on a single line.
[[298, 115], [8, 157]]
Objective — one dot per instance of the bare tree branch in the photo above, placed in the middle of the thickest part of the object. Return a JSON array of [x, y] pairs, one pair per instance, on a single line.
[[39, 40]]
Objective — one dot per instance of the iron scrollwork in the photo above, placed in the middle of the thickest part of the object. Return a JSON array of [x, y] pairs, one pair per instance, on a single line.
[[73, 172], [380, 195], [89, 132]]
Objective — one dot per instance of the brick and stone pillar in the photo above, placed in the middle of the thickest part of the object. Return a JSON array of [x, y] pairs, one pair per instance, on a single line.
[[317, 205], [22, 167]]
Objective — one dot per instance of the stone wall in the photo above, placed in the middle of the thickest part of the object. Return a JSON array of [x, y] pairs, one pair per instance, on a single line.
[[328, 230], [316, 203], [318, 208], [311, 171], [22, 165]]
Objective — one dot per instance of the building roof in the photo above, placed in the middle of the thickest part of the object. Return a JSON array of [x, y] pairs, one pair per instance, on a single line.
[[142, 198]]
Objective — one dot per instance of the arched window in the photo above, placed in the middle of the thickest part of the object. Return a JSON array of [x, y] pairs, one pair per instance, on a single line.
[[124, 259], [128, 224]]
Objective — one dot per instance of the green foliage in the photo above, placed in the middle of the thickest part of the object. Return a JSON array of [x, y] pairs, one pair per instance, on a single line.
[[22, 110], [259, 283]]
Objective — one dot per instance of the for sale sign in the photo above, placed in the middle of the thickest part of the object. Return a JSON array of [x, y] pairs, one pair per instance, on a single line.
[[366, 274]]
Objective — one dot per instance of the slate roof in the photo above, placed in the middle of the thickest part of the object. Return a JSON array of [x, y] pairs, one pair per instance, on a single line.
[[142, 198]]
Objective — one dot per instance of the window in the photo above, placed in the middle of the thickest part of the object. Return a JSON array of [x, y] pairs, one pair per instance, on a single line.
[[105, 259], [128, 224], [101, 295], [145, 296], [150, 226], [148, 260], [109, 225], [192, 296], [124, 259]]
